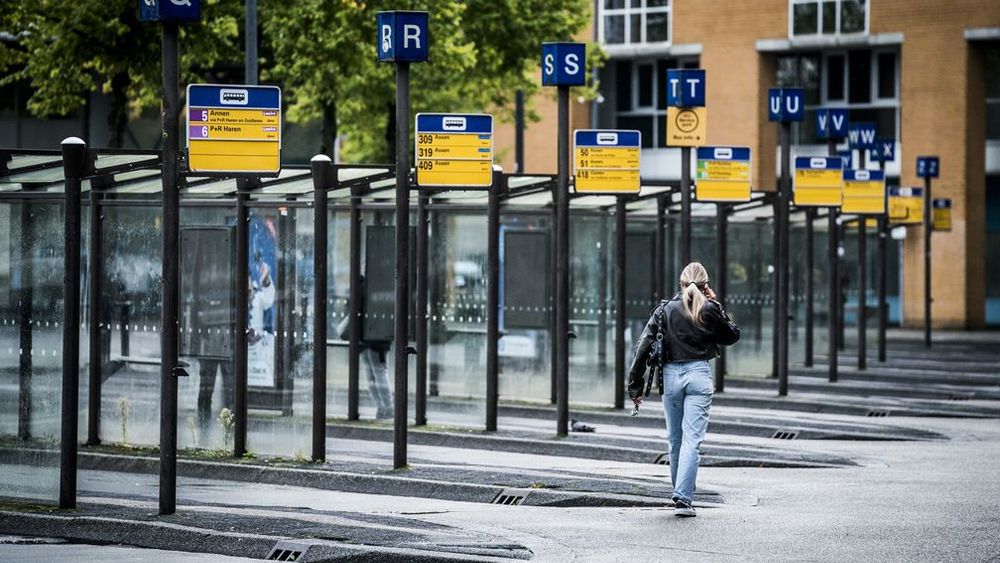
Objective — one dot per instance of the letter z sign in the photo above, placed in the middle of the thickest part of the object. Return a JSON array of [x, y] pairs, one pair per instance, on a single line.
[[402, 36], [564, 64]]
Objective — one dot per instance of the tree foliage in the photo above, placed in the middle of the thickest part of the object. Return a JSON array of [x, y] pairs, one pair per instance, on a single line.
[[66, 50], [321, 52]]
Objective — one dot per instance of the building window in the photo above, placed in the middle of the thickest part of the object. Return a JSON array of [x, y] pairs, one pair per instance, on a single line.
[[641, 97], [864, 81], [827, 17], [635, 21], [993, 94]]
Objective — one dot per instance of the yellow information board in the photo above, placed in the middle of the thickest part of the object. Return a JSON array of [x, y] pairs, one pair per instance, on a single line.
[[818, 181], [864, 192], [906, 206], [606, 161], [687, 127], [723, 174], [454, 150], [234, 129], [941, 214]]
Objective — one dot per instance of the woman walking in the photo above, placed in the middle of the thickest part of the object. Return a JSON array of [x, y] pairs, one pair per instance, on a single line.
[[682, 334]]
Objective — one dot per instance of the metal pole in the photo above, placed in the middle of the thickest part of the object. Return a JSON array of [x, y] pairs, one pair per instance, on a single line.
[[420, 400], [170, 271], [602, 292], [554, 283], [776, 288], [862, 278], [833, 289], [323, 179], [74, 157], [519, 131], [25, 312], [928, 226], [721, 281], [95, 267], [883, 235], [620, 249], [493, 300], [250, 34], [402, 305], [685, 206], [659, 250], [562, 267], [354, 307], [810, 285], [841, 298], [240, 342], [783, 196]]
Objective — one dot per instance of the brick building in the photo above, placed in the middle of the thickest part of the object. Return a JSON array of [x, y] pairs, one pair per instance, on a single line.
[[927, 72]]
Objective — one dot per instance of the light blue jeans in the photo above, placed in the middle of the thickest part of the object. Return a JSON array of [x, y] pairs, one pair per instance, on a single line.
[[687, 399]]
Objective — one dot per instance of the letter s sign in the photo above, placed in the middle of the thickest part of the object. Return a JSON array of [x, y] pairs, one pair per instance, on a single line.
[[563, 64]]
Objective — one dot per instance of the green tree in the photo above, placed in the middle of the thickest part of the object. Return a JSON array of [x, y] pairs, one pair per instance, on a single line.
[[481, 53], [66, 50]]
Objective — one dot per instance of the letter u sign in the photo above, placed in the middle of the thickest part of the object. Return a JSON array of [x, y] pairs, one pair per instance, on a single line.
[[785, 104]]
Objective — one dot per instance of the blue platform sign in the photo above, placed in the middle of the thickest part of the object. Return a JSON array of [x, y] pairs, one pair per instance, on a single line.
[[169, 10], [686, 88], [402, 36], [885, 150], [831, 123], [786, 104], [861, 136], [927, 166], [847, 157], [564, 64]]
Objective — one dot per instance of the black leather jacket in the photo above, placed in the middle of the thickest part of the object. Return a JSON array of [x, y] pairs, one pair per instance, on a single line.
[[683, 340]]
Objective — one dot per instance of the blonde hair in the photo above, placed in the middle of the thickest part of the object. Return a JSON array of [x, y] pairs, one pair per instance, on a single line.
[[693, 279]]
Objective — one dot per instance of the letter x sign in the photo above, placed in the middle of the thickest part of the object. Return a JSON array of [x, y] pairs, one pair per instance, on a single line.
[[402, 37], [786, 104], [564, 64]]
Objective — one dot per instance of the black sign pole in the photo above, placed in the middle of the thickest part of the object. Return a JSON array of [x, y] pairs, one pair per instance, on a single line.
[[420, 329], [833, 260], [721, 281], [493, 299], [620, 249], [170, 270], [862, 278], [74, 162], [562, 266], [402, 305], [553, 283], [685, 206], [324, 177], [882, 250], [25, 310], [354, 305], [928, 225], [240, 340], [95, 269], [810, 285], [660, 245], [784, 191]]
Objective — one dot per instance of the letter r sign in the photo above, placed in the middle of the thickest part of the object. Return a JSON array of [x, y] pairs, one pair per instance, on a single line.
[[402, 36]]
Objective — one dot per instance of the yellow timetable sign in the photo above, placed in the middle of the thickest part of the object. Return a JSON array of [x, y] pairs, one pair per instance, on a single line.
[[864, 192], [454, 150], [941, 214], [818, 181], [906, 205], [687, 127], [234, 129], [723, 174], [606, 161]]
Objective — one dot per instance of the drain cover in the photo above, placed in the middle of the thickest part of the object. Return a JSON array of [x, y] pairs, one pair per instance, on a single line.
[[878, 412], [962, 397], [511, 497], [287, 551], [662, 459], [785, 434]]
